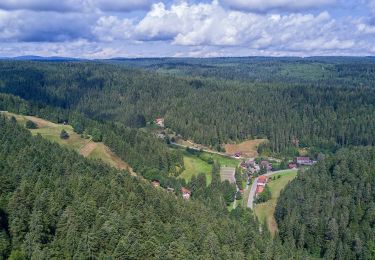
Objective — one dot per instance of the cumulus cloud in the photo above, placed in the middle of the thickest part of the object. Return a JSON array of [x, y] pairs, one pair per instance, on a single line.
[[109, 28], [186, 29], [28, 26], [211, 24], [265, 5]]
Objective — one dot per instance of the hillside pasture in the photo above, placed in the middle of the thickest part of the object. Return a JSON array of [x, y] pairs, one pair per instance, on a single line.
[[247, 148], [86, 147], [265, 211]]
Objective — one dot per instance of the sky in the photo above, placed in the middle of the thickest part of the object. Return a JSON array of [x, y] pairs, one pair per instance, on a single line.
[[186, 28]]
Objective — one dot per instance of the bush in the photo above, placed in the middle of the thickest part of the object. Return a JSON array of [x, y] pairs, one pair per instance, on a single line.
[[96, 135], [64, 135], [264, 196], [31, 125]]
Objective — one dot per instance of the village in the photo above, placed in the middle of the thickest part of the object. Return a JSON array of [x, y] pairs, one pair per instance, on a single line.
[[256, 171]]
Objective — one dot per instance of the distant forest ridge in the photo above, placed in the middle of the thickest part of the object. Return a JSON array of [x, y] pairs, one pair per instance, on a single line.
[[323, 103]]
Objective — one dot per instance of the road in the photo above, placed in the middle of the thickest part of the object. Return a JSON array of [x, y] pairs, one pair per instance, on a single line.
[[250, 202]]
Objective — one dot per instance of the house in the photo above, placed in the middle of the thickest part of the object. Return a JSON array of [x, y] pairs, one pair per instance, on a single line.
[[155, 183], [262, 180], [237, 154], [169, 189], [259, 189], [303, 161], [159, 121], [292, 165], [185, 193], [266, 164]]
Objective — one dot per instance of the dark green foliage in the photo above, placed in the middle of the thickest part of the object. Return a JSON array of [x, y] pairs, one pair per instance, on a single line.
[[147, 155], [330, 208], [31, 125], [59, 205], [96, 135], [64, 134], [264, 196], [317, 103]]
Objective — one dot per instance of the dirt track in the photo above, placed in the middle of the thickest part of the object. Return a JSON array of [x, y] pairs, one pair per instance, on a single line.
[[87, 149]]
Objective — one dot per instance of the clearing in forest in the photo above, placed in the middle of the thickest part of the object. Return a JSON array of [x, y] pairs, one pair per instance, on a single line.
[[194, 166], [247, 148], [265, 211], [85, 147]]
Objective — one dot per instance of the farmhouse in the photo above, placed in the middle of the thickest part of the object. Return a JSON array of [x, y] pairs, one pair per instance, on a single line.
[[259, 189], [304, 161], [227, 174], [262, 180], [266, 164], [185, 193]]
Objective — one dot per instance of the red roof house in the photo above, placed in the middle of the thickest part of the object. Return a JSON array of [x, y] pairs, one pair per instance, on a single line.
[[262, 179], [259, 189]]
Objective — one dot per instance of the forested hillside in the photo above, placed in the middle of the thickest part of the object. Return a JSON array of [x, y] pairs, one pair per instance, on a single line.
[[55, 204], [146, 154], [330, 209], [322, 113]]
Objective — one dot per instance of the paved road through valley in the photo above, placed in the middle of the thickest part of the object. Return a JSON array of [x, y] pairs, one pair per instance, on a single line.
[[250, 202]]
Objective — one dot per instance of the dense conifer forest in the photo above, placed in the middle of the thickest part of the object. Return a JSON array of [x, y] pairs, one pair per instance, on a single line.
[[324, 105], [54, 204], [330, 209]]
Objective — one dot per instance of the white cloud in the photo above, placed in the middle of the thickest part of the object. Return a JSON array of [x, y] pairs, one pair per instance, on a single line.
[[265, 5], [200, 29], [109, 28]]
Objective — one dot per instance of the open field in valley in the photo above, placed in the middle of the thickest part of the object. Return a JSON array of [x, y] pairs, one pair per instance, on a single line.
[[194, 166]]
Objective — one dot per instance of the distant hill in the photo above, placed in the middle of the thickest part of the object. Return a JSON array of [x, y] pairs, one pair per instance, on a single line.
[[41, 58]]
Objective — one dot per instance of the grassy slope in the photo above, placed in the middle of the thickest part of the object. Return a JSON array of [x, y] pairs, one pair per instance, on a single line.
[[265, 211], [194, 166], [86, 147]]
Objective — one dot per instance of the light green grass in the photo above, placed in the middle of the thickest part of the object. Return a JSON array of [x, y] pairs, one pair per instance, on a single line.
[[265, 211], [51, 131], [224, 161], [194, 166]]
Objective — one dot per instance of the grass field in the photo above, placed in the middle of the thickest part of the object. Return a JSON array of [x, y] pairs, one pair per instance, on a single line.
[[265, 211], [194, 166], [224, 161], [85, 147]]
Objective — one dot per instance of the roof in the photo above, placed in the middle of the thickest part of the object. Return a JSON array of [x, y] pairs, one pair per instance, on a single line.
[[185, 190], [262, 178], [303, 158], [259, 189], [264, 163]]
